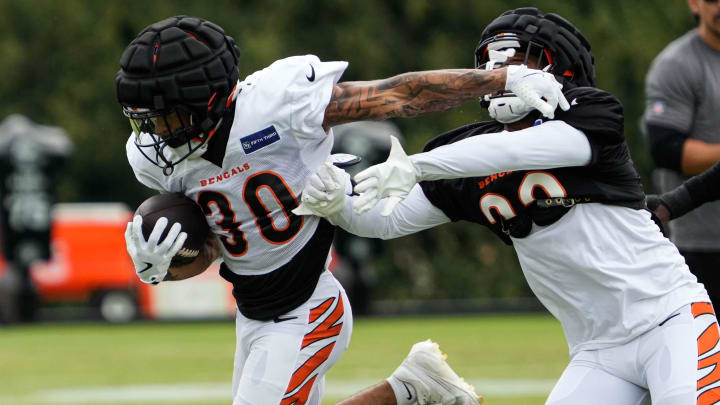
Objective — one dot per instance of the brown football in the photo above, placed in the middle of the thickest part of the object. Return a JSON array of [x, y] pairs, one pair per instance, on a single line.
[[176, 207]]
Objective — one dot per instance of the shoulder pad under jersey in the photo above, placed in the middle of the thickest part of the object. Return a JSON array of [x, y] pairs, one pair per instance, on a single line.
[[596, 112]]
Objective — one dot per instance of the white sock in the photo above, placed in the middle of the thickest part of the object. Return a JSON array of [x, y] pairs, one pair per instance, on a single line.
[[404, 392]]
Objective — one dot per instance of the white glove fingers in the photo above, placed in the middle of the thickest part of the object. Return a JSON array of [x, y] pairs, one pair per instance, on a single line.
[[157, 231], [539, 104], [366, 174], [301, 210], [150, 259], [313, 195], [179, 242], [130, 241], [530, 85], [365, 202], [129, 233], [324, 193], [326, 176], [396, 150], [314, 183], [367, 184], [137, 229], [529, 96], [395, 177], [171, 238], [335, 174], [311, 201], [562, 101]]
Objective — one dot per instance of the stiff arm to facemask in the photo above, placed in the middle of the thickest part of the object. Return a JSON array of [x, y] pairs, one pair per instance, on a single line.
[[527, 90]]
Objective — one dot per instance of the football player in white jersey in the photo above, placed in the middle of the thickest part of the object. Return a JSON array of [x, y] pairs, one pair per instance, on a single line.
[[565, 194], [243, 150]]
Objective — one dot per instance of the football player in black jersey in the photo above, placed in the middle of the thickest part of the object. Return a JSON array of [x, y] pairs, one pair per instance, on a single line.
[[565, 194]]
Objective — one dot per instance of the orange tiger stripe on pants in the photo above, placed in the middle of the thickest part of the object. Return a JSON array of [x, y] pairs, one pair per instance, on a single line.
[[707, 341], [325, 329]]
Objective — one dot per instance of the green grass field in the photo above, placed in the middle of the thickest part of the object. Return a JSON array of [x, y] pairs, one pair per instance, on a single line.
[[510, 359]]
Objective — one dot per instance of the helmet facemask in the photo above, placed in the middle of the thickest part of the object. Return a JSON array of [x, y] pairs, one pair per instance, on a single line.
[[499, 51], [166, 137], [557, 46]]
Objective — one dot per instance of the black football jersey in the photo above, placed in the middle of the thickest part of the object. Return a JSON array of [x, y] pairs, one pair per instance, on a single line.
[[510, 202]]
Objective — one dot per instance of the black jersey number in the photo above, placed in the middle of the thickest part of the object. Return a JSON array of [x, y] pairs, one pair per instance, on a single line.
[[532, 180], [273, 183], [235, 242]]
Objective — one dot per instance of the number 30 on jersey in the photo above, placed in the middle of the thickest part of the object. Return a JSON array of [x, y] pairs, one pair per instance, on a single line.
[[234, 239]]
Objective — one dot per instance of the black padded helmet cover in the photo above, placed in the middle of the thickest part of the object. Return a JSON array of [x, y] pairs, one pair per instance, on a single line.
[[570, 50], [180, 61]]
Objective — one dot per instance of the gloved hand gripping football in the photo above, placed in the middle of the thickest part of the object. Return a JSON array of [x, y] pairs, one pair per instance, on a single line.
[[152, 259]]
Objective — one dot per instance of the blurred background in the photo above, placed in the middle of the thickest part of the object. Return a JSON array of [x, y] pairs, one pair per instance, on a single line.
[[59, 59]]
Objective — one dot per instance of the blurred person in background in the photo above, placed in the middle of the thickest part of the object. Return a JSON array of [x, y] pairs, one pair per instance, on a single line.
[[682, 124], [243, 150], [566, 195]]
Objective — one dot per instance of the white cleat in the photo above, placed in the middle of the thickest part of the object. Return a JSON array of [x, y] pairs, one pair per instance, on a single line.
[[434, 381]]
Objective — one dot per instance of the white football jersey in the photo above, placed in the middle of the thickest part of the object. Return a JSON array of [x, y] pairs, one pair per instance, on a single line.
[[275, 143], [606, 273]]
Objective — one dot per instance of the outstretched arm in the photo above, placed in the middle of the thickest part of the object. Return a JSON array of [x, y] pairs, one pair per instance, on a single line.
[[552, 144], [411, 94], [695, 192], [412, 215], [325, 195]]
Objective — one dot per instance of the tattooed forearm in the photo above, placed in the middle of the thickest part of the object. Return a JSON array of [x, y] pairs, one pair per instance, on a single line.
[[410, 94]]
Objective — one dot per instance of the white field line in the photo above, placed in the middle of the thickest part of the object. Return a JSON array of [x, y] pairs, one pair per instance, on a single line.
[[199, 392]]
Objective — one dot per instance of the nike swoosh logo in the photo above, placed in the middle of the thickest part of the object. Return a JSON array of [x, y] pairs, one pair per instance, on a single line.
[[278, 319], [574, 101], [312, 74], [147, 267], [407, 389]]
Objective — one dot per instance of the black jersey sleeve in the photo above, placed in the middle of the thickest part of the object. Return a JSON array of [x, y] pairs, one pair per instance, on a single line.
[[597, 113], [702, 188]]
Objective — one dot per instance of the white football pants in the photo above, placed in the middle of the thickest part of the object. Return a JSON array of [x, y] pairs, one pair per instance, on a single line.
[[676, 363], [285, 362]]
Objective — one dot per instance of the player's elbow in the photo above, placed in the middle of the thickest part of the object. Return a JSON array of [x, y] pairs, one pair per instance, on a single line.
[[666, 147]]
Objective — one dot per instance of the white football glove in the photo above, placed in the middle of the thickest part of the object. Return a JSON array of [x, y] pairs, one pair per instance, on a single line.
[[532, 86], [152, 259], [324, 194], [392, 179]]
